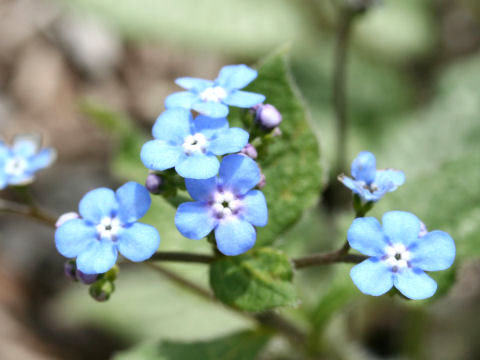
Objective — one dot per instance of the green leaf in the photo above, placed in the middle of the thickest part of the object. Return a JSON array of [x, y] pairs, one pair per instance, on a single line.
[[244, 345], [256, 281], [292, 167]]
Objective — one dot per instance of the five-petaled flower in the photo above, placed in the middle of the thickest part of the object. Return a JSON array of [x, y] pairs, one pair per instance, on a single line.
[[400, 253], [368, 182], [191, 145], [211, 98], [108, 225], [19, 163], [226, 204]]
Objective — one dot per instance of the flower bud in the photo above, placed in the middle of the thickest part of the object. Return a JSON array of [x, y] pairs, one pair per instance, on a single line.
[[87, 279], [66, 217], [267, 116], [102, 289], [154, 183], [423, 230], [70, 268], [250, 151], [262, 182]]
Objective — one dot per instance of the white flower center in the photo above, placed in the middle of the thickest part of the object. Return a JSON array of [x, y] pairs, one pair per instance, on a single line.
[[225, 204], [108, 228], [215, 94], [397, 256], [16, 166], [194, 143]]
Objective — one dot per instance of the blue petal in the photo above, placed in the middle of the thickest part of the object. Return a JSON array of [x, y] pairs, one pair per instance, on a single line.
[[173, 125], [372, 277], [364, 167], [198, 166], [366, 236], [26, 145], [182, 99], [42, 160], [158, 155], [196, 84], [209, 126], [138, 242], [415, 284], [211, 109], [194, 221], [73, 237], [255, 208], [98, 257], [435, 251], [234, 236], [97, 204], [201, 190], [244, 99], [239, 173], [22, 179], [401, 226], [133, 202], [390, 176], [235, 76], [228, 141]]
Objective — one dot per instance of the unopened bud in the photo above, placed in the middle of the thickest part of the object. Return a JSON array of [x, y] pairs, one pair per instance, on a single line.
[[102, 289], [87, 279], [154, 183], [70, 268], [267, 116], [66, 217], [262, 182], [250, 151], [276, 132], [423, 230]]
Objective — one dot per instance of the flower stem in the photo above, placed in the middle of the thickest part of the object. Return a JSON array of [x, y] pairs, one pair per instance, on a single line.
[[30, 211], [327, 258], [182, 257]]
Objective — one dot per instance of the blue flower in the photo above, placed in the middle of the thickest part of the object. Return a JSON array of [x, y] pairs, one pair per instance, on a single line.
[[108, 226], [227, 205], [211, 98], [191, 145], [368, 182], [400, 253], [19, 163]]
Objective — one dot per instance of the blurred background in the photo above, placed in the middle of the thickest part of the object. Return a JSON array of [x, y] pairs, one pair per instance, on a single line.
[[414, 100]]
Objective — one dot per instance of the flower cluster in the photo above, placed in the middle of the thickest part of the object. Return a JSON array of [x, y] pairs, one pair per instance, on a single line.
[[402, 249], [107, 223], [20, 162]]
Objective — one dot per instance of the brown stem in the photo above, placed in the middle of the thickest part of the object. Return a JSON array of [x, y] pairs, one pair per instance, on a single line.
[[182, 257], [12, 207], [327, 258]]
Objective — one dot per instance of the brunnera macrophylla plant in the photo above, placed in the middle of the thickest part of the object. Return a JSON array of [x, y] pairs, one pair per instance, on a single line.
[[195, 148]]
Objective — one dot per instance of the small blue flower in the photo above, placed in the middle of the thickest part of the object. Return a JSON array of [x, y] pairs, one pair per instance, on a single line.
[[108, 225], [191, 145], [400, 253], [227, 205], [19, 163], [211, 98], [368, 182]]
